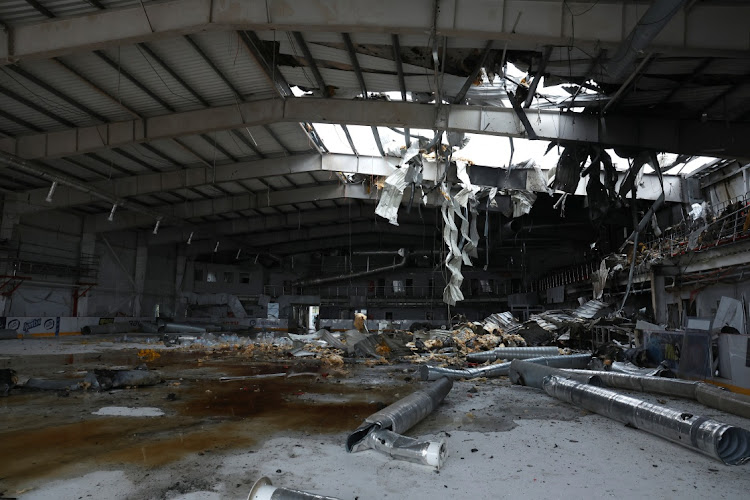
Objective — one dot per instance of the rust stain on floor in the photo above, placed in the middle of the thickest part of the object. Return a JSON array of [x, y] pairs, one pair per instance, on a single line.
[[202, 416]]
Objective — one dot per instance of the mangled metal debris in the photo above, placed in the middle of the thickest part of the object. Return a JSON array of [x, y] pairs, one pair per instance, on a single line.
[[501, 321], [381, 431]]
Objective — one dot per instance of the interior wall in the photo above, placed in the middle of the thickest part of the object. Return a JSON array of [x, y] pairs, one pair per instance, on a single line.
[[43, 240], [115, 293]]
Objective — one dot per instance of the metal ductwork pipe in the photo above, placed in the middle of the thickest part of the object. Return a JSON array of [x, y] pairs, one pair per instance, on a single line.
[[511, 353], [180, 328], [721, 441], [374, 253], [716, 397], [122, 327], [655, 385], [264, 490], [706, 394], [630, 369], [532, 374], [332, 279], [398, 418], [41, 172], [435, 372]]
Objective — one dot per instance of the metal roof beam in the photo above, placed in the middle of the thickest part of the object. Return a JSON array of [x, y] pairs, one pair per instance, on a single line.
[[276, 138], [247, 142], [36, 107], [20, 121], [401, 82], [334, 232], [250, 201], [363, 87], [253, 45], [55, 92], [537, 77], [213, 66], [40, 8], [660, 134], [474, 73], [258, 223], [322, 87], [148, 183], [117, 67], [699, 69], [94, 87], [549, 25], [174, 75]]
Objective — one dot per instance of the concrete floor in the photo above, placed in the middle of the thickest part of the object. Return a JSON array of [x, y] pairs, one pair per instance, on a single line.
[[216, 438]]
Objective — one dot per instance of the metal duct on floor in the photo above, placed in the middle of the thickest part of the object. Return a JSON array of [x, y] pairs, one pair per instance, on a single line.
[[180, 328], [533, 374], [435, 372], [721, 441], [653, 384], [706, 394], [121, 327], [631, 369], [398, 418], [511, 353], [716, 397], [264, 490]]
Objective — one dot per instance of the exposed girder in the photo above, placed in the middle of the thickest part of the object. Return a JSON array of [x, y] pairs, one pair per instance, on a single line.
[[659, 134], [525, 24]]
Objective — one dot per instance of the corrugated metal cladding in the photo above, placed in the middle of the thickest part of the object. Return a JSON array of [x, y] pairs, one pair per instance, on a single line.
[[35, 121], [227, 52], [20, 11], [176, 152], [292, 137], [13, 82], [262, 140], [140, 65], [111, 81], [72, 169], [204, 149], [323, 53], [73, 87], [687, 96]]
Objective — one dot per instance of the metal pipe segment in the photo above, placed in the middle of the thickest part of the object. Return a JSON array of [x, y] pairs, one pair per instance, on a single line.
[[512, 353], [721, 441], [435, 372]]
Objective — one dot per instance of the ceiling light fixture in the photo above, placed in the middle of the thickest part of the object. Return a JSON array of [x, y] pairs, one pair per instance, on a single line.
[[51, 192]]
